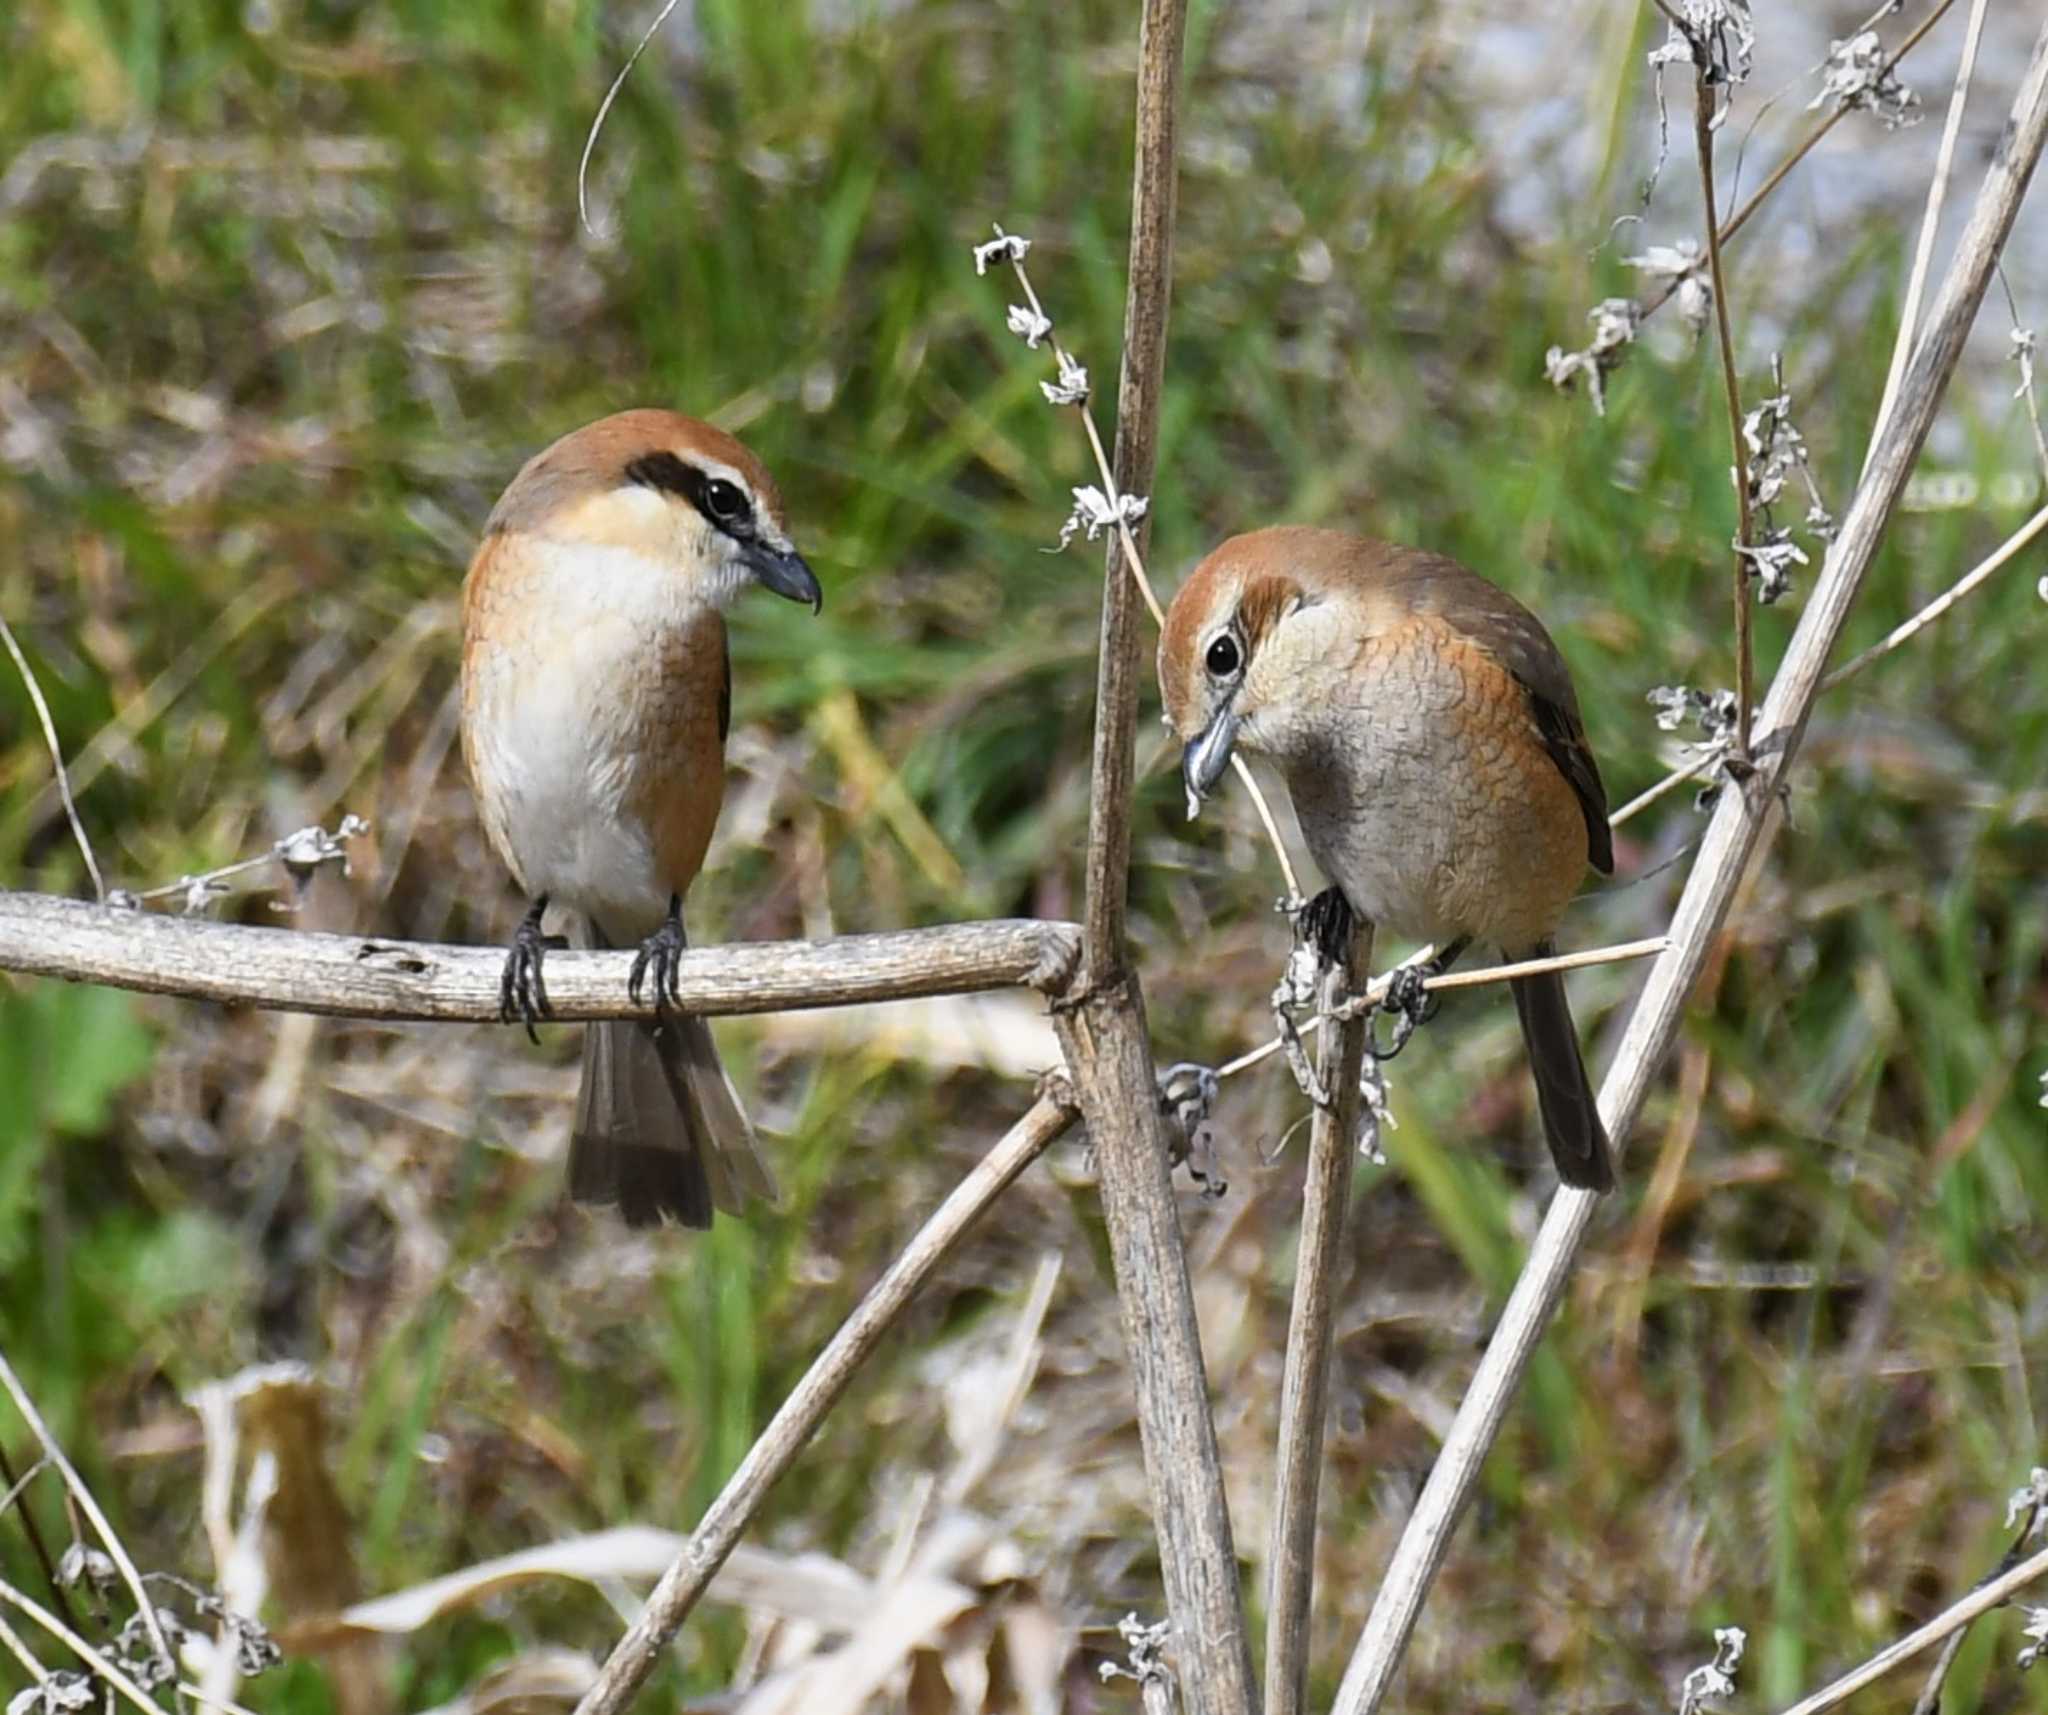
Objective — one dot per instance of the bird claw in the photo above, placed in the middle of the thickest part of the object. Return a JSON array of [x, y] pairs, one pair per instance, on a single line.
[[1408, 997], [1328, 924], [660, 956], [1411, 1004], [522, 991]]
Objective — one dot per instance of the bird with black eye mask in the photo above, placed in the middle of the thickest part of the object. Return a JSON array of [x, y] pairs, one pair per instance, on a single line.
[[596, 694]]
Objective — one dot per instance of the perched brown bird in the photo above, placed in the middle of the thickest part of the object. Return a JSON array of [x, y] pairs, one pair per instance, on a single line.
[[1431, 740], [596, 692]]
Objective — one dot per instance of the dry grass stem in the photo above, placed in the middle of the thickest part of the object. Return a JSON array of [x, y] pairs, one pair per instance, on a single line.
[[1804, 147], [1745, 666], [1376, 991], [1135, 559], [1104, 1034], [1993, 1593], [1930, 220], [604, 107], [1979, 574], [1305, 1377], [82, 1498], [1705, 763], [35, 695], [97, 1660], [793, 1425], [1735, 834]]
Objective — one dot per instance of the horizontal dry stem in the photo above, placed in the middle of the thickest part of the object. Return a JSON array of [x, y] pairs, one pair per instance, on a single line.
[[355, 976], [1376, 991]]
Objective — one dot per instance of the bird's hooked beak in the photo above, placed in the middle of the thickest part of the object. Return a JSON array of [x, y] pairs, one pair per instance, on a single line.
[[783, 570], [1207, 755]]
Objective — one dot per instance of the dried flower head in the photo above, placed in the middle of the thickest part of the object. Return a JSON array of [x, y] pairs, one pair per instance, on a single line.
[[1714, 1680], [2036, 1633], [1004, 247], [1028, 324], [1072, 386], [1771, 558], [1714, 711], [1614, 328], [1855, 75], [1094, 512], [1716, 35], [1684, 267]]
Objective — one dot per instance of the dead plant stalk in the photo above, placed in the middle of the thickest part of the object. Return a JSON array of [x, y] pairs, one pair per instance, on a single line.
[[1732, 841]]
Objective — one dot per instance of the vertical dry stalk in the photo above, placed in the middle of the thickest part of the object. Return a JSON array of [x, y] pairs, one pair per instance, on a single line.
[[1732, 840], [1745, 667], [1305, 1381], [792, 1427], [1108, 1050], [1119, 670]]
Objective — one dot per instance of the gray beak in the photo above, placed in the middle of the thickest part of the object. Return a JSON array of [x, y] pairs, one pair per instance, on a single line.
[[1206, 757], [783, 571]]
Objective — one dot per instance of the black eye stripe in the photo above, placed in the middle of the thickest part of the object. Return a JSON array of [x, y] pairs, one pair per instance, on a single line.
[[722, 503]]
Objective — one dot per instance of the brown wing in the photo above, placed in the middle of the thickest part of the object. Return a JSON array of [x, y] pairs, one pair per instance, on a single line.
[[1515, 637]]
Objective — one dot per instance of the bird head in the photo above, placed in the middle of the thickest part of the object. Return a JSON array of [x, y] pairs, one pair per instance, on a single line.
[[1247, 647], [667, 488]]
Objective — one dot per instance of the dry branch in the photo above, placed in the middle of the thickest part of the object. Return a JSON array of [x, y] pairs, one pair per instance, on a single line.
[[1732, 841], [1109, 1052], [1990, 1594], [792, 1427], [355, 976], [1305, 1379]]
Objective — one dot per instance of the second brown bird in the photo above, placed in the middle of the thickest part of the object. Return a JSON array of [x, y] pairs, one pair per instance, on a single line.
[[1430, 737]]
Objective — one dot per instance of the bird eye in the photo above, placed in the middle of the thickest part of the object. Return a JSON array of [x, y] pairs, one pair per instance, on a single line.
[[724, 502], [1223, 657]]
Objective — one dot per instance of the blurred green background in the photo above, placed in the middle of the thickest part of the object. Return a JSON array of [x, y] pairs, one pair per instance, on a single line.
[[289, 290]]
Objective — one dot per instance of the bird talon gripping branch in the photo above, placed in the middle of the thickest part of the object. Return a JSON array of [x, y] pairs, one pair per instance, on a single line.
[[660, 957], [522, 992], [1327, 923], [1431, 741]]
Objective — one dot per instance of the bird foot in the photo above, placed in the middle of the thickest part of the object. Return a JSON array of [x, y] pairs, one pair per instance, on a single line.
[[1327, 923], [658, 958], [1409, 1000], [522, 992]]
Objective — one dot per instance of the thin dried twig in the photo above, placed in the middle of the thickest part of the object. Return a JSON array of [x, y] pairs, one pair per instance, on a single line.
[[1930, 220], [792, 1427], [1305, 1377], [1376, 991], [83, 1498], [97, 1660], [35, 695], [1740, 823], [1116, 514], [604, 107], [1745, 668], [1804, 147], [1969, 581], [1988, 1595]]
